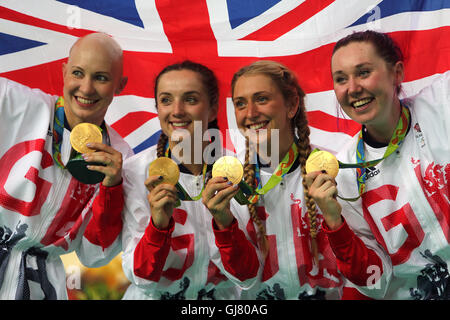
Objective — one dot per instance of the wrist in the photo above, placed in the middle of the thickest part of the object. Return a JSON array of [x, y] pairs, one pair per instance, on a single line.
[[335, 223], [224, 220]]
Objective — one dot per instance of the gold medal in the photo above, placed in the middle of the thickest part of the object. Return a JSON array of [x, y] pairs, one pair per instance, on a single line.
[[229, 167], [84, 133], [322, 160], [165, 167]]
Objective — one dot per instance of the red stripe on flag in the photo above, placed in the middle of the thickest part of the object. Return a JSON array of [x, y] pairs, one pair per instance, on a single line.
[[288, 21], [47, 77], [16, 16], [426, 52], [189, 33], [323, 121], [131, 121]]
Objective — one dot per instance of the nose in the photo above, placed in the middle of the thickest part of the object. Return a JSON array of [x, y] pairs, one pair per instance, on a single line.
[[252, 110], [354, 87], [178, 108], [87, 86]]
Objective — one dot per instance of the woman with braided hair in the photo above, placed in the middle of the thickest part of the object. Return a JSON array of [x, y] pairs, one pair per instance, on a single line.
[[170, 251], [296, 259]]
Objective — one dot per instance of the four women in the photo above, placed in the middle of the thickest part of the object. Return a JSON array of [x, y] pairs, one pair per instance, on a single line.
[[299, 236]]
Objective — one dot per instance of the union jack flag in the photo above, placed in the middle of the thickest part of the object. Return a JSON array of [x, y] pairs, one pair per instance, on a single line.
[[35, 37]]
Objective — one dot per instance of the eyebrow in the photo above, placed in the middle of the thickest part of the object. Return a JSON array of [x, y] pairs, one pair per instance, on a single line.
[[97, 72], [254, 94], [358, 66], [185, 93]]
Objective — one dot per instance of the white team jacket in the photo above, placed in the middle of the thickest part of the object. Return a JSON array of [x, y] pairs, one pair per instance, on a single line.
[[43, 210], [193, 268], [288, 271], [407, 202]]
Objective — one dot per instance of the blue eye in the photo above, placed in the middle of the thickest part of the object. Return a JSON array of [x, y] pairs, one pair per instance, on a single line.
[[262, 99], [77, 73], [364, 73], [339, 79], [164, 100], [191, 100], [239, 104], [101, 78]]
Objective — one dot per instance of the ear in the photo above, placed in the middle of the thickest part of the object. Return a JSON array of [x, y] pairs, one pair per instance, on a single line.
[[293, 107], [64, 68], [399, 73], [122, 84]]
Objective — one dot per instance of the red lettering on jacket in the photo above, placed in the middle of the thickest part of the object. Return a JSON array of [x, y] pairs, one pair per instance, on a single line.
[[271, 266], [7, 162], [185, 241], [68, 219], [403, 216], [326, 274], [435, 187]]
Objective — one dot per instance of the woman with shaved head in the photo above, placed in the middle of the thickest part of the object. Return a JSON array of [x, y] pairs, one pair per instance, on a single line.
[[53, 199]]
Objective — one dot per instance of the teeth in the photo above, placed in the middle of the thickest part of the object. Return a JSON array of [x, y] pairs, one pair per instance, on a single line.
[[180, 124], [85, 101], [257, 126], [361, 102]]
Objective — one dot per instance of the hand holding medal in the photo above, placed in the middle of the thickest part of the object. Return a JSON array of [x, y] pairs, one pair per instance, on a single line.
[[163, 194], [227, 173], [321, 168], [230, 168], [166, 168], [93, 161], [322, 161]]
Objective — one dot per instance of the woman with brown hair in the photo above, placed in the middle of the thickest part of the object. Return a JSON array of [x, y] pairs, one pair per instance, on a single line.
[[400, 188]]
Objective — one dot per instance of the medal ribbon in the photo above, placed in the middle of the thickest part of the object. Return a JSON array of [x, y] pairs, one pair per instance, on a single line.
[[396, 140], [58, 131], [282, 169]]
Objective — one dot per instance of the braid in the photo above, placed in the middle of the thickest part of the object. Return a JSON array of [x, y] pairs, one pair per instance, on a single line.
[[249, 178], [162, 141], [301, 124]]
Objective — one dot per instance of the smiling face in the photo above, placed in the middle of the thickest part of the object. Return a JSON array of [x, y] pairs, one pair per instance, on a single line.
[[259, 104], [365, 85], [92, 76], [182, 99]]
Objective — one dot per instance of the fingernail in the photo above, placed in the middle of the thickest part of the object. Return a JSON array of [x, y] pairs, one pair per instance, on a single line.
[[229, 183], [225, 178], [88, 144], [85, 156], [323, 171], [160, 177]]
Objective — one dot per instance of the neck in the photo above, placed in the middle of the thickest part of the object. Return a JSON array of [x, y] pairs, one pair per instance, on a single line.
[[283, 148], [195, 169], [382, 132], [193, 161]]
